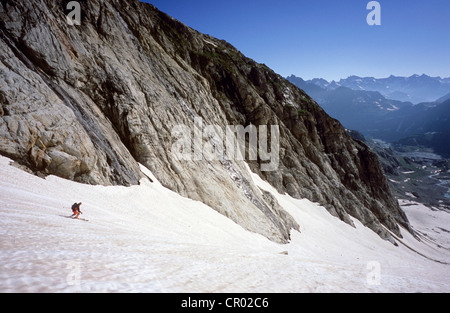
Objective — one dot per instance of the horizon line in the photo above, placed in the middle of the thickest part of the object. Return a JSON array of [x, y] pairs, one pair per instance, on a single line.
[[396, 76]]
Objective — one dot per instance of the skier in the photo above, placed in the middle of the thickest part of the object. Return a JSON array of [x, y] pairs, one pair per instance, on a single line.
[[76, 210]]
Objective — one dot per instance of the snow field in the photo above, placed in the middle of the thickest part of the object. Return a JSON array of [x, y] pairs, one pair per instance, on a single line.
[[147, 238]]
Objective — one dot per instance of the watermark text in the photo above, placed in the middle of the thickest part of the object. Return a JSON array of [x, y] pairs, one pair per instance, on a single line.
[[211, 142]]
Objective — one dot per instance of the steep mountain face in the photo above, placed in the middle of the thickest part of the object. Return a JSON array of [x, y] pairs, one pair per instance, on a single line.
[[89, 102]]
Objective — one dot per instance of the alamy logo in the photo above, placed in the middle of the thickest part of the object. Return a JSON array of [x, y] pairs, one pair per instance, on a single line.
[[73, 278], [373, 278], [74, 16], [211, 142], [374, 17]]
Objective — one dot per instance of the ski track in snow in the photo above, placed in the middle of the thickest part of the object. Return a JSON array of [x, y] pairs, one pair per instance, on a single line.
[[149, 239]]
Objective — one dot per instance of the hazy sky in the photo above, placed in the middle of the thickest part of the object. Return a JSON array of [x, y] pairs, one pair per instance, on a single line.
[[327, 39]]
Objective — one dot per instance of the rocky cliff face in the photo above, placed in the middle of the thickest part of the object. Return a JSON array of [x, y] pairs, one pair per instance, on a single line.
[[89, 102]]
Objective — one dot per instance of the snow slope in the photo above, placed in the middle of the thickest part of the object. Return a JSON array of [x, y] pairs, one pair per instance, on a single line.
[[149, 239]]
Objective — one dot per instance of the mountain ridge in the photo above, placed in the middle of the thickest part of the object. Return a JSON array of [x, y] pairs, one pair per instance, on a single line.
[[415, 88], [424, 124], [90, 102]]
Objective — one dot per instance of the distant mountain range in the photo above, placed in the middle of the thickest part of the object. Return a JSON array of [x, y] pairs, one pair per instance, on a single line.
[[375, 115], [415, 89]]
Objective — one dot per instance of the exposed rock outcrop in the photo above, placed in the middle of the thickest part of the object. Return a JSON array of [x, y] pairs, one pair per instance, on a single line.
[[89, 102]]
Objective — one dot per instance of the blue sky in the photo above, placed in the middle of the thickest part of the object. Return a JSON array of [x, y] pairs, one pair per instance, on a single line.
[[327, 39]]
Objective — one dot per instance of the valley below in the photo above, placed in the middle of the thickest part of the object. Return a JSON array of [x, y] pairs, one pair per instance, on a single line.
[[415, 173]]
